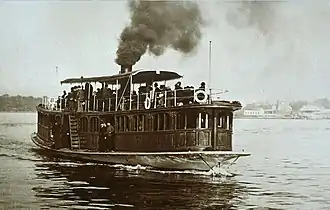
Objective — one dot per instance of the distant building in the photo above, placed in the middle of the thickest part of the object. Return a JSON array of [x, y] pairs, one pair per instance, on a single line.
[[311, 112], [284, 109], [268, 111], [254, 112]]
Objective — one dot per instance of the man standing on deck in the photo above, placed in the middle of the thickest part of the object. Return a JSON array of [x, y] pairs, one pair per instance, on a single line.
[[110, 144], [103, 131]]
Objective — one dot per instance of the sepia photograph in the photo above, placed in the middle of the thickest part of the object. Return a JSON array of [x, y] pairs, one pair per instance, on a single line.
[[164, 104]]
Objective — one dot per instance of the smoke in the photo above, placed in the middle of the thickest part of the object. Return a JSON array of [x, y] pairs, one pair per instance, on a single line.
[[158, 25], [259, 14]]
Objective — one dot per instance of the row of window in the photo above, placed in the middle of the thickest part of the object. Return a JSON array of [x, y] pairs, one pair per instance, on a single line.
[[94, 124], [155, 122], [164, 121]]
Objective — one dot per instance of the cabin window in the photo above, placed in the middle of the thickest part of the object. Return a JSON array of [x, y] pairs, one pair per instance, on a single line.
[[167, 121], [161, 121], [155, 123], [230, 121], [134, 123], [225, 120], [192, 117], [203, 120], [147, 122], [140, 122], [94, 124], [120, 123], [126, 123], [180, 121], [83, 124]]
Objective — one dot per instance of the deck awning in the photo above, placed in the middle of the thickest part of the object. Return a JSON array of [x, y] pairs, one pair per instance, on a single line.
[[138, 76]]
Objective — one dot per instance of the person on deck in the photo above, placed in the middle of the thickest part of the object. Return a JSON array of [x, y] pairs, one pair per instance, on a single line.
[[103, 131], [81, 100], [110, 144]]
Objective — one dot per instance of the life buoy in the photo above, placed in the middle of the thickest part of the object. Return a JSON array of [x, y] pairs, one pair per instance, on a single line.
[[204, 96], [147, 103], [52, 102]]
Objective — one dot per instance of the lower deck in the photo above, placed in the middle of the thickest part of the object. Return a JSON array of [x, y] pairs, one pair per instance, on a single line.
[[153, 131]]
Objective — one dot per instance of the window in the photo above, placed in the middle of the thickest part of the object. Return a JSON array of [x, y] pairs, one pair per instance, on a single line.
[[224, 121], [191, 119], [147, 122], [168, 122], [94, 124], [121, 123], [155, 124], [83, 125], [134, 123], [203, 120], [126, 123], [180, 120], [161, 120], [140, 122]]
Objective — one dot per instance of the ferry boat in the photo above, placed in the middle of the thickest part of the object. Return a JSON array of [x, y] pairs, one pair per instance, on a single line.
[[132, 121]]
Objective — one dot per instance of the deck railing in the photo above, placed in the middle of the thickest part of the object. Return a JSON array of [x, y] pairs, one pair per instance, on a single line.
[[151, 100]]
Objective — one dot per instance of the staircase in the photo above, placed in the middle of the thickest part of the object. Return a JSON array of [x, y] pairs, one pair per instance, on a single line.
[[74, 137]]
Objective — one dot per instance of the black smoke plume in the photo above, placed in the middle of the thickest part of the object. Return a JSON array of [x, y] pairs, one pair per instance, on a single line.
[[158, 25], [260, 14]]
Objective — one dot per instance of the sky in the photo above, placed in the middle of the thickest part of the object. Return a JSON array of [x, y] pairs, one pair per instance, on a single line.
[[260, 51]]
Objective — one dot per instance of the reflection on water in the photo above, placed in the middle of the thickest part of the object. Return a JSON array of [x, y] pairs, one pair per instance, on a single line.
[[289, 169], [100, 186]]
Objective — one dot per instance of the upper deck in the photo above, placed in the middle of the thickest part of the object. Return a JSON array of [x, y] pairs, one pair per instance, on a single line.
[[134, 90]]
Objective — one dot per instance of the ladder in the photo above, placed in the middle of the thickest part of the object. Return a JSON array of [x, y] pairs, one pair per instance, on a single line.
[[74, 137]]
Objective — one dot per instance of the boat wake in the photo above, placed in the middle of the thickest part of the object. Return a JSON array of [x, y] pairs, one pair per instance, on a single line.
[[216, 172]]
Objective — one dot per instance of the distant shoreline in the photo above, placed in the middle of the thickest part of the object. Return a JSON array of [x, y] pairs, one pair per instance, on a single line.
[[18, 111]]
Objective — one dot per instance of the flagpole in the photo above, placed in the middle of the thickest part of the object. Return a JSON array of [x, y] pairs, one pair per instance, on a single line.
[[57, 80], [210, 69]]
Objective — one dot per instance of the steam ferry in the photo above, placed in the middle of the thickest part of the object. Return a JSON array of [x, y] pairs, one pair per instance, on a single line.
[[140, 117]]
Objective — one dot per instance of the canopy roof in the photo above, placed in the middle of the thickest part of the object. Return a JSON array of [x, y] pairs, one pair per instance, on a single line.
[[138, 76]]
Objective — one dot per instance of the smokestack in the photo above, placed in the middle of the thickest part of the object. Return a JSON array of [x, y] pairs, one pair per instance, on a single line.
[[125, 69]]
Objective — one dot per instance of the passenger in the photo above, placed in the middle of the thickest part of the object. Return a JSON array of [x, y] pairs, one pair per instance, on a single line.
[[134, 99], [103, 131], [58, 102], [81, 100], [177, 86], [156, 88], [149, 87], [64, 96], [202, 87], [107, 94], [89, 95], [71, 100], [110, 144], [179, 92], [98, 99]]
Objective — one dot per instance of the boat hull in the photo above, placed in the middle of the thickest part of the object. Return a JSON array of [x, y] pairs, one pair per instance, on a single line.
[[196, 160]]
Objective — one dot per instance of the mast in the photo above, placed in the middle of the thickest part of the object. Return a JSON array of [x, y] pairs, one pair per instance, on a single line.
[[57, 81], [210, 70]]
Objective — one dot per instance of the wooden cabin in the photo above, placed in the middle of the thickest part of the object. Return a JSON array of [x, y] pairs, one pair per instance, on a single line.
[[144, 119]]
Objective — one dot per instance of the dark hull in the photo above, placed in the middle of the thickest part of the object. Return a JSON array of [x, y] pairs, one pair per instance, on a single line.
[[197, 160]]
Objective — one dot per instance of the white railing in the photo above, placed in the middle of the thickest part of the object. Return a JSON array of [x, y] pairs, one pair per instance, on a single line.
[[151, 100]]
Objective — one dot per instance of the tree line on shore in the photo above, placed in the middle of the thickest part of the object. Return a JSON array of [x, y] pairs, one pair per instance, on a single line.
[[295, 105], [18, 103]]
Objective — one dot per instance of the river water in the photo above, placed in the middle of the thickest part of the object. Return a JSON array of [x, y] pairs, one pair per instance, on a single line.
[[289, 169]]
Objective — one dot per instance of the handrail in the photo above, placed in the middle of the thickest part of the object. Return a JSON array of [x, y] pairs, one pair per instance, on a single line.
[[163, 98]]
